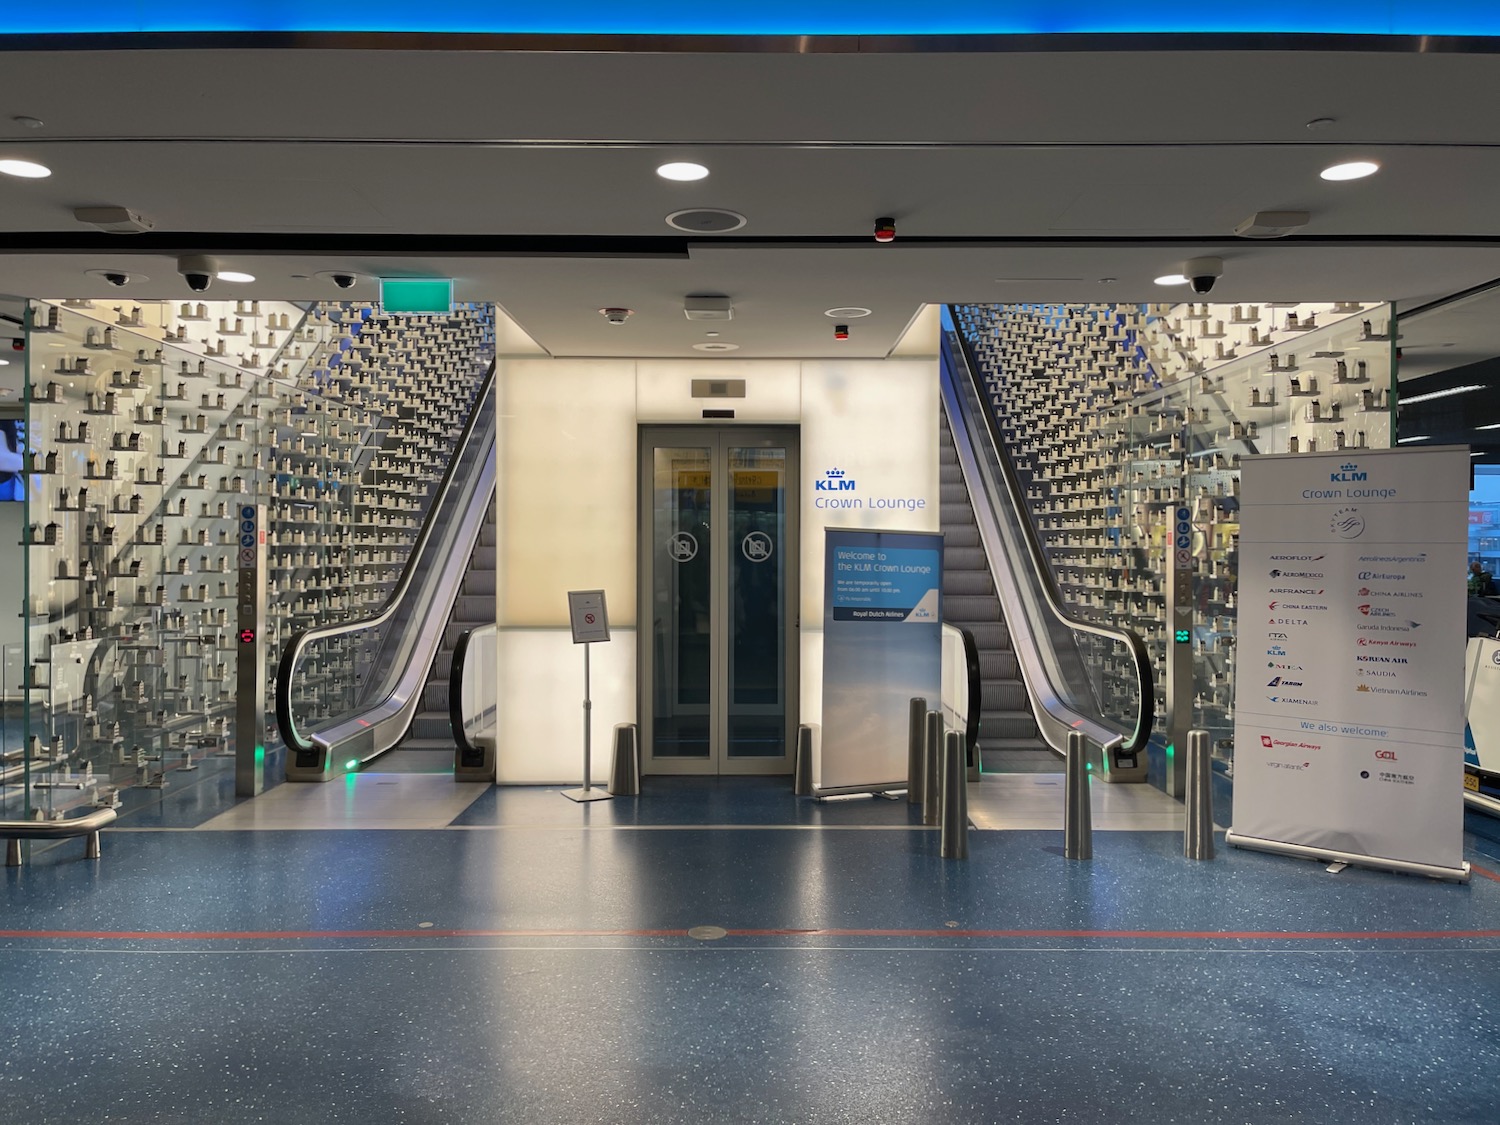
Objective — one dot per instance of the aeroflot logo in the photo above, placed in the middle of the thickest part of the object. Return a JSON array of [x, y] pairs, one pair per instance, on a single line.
[[834, 480], [1348, 471]]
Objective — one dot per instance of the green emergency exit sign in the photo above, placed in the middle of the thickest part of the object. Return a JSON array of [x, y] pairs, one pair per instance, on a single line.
[[416, 294]]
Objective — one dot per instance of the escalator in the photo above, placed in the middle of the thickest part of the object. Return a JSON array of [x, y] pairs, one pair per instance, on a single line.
[[382, 662], [1070, 668]]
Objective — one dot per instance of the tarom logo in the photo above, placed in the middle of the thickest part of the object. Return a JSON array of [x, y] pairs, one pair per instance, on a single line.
[[1348, 471], [834, 480]]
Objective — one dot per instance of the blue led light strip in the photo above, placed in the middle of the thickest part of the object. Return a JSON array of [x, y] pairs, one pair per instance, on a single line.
[[764, 17]]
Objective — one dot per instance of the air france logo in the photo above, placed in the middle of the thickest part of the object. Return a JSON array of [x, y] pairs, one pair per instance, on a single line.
[[834, 480], [1348, 471]]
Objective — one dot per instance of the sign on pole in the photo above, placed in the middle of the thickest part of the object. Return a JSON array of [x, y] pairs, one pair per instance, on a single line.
[[589, 619], [1349, 692], [882, 647]]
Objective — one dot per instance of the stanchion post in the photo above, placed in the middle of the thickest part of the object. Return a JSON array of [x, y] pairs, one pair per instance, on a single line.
[[955, 811], [1078, 821], [916, 740], [1198, 829], [932, 749], [802, 782], [625, 768], [587, 792]]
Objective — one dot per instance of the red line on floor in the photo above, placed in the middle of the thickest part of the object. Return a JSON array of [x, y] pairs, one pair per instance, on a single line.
[[1135, 935], [1486, 872]]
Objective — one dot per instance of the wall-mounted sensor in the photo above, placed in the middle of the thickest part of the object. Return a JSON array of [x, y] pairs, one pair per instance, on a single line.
[[113, 220], [885, 230], [840, 331], [615, 315], [1272, 224], [707, 306]]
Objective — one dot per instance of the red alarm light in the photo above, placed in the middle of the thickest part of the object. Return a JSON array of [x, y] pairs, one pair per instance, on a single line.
[[840, 331], [247, 636], [885, 230]]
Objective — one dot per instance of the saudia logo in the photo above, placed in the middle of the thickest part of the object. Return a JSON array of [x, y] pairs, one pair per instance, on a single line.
[[1348, 471], [834, 480]]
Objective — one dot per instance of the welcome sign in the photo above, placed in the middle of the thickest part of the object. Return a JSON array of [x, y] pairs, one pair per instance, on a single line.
[[1349, 688]]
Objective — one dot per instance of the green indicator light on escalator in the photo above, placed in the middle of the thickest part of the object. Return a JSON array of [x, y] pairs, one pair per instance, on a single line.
[[1183, 636], [351, 763]]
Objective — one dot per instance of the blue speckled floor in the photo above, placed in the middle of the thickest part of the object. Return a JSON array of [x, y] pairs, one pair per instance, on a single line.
[[523, 967]]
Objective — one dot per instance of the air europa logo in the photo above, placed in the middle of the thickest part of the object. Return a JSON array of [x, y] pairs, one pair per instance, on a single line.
[[1348, 471], [834, 480]]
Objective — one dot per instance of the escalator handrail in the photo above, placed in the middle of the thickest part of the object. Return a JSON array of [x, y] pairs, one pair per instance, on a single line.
[[299, 640], [976, 693], [456, 693], [1145, 717]]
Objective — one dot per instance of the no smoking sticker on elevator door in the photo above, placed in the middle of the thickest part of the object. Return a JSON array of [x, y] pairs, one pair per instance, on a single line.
[[757, 546]]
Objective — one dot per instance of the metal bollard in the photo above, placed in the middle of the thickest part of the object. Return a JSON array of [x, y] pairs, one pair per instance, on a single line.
[[1078, 821], [955, 811], [1198, 830], [932, 765], [625, 767], [802, 785], [916, 739]]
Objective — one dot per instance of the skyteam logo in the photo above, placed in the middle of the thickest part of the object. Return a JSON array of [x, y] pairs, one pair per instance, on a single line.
[[834, 480], [1348, 471], [1347, 523]]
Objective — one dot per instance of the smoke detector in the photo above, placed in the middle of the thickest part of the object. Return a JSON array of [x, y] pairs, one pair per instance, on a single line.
[[113, 220], [707, 307]]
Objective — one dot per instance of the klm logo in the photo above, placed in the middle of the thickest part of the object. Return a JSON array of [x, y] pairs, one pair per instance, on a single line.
[[1348, 471], [834, 480]]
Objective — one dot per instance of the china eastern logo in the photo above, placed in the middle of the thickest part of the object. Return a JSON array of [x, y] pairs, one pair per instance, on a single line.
[[834, 480], [1348, 471]]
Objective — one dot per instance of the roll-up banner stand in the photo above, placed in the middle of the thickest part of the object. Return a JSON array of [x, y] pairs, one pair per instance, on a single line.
[[1349, 686], [882, 647]]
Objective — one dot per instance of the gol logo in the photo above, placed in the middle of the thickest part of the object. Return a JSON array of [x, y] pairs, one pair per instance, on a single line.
[[1386, 755]]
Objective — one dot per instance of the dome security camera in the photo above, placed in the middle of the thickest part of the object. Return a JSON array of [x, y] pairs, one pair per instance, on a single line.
[[1202, 273], [198, 271], [116, 278], [344, 280]]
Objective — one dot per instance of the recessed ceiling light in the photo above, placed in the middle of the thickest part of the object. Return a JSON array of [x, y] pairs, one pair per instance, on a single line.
[[682, 170], [1171, 279], [706, 220], [1440, 394], [1350, 170], [25, 169], [710, 333], [234, 275], [847, 312], [4, 363], [1415, 437], [715, 346], [1493, 426]]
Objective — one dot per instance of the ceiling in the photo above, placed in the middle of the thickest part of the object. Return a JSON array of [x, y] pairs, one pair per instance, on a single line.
[[528, 176]]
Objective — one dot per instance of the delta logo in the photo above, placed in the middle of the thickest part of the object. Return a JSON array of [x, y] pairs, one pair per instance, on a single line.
[[1287, 621]]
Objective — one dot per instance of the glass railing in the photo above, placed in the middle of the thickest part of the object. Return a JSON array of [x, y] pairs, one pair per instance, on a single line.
[[1067, 662]]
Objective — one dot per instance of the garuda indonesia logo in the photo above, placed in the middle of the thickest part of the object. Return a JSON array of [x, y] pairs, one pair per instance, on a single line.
[[834, 480]]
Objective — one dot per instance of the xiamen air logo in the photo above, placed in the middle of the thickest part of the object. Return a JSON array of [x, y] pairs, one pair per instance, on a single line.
[[1348, 471], [834, 480]]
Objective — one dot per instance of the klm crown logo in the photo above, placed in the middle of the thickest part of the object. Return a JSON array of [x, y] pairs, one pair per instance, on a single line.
[[1348, 471], [834, 480]]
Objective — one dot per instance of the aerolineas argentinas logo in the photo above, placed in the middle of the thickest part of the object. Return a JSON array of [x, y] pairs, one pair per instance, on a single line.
[[1348, 471], [834, 480]]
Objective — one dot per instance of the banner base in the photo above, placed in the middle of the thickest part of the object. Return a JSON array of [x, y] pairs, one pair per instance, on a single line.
[[1458, 874], [860, 790]]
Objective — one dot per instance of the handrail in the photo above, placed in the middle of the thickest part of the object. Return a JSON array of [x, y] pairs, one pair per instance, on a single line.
[[456, 693], [299, 640], [1145, 681], [87, 825], [976, 692]]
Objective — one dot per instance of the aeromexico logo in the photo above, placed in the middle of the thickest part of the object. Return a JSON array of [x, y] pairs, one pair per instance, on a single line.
[[1348, 471], [834, 480]]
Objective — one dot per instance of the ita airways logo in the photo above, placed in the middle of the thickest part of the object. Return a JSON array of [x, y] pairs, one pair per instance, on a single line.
[[1347, 523], [834, 480], [1348, 472]]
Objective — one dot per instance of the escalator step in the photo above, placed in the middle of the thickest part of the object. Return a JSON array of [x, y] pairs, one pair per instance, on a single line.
[[964, 608], [964, 558], [959, 583]]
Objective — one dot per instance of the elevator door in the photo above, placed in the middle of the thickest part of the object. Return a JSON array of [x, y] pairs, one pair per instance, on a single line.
[[718, 599]]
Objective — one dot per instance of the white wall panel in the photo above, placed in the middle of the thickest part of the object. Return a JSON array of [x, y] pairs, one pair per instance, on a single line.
[[773, 390], [541, 704]]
